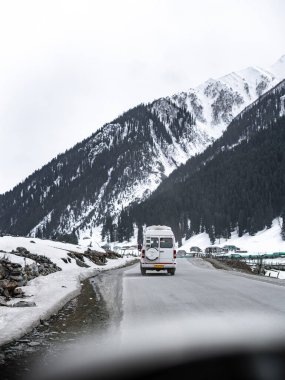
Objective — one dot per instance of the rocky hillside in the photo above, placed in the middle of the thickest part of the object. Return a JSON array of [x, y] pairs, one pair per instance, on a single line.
[[127, 159]]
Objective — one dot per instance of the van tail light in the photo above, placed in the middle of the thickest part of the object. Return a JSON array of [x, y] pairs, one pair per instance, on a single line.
[[143, 253], [174, 253]]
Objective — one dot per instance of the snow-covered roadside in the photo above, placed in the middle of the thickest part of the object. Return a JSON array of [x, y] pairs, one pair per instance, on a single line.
[[266, 241], [275, 274], [124, 248], [51, 292]]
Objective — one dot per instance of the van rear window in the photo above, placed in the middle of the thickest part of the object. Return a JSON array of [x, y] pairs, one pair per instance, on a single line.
[[166, 243], [152, 243]]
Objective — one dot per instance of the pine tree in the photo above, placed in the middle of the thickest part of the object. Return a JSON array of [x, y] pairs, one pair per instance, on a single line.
[[241, 223], [268, 216], [283, 224], [140, 234]]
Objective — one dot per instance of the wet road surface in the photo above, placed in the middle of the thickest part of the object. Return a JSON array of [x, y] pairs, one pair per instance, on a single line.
[[96, 309]]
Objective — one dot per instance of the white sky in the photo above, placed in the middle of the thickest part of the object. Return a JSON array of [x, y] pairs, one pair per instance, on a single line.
[[68, 67]]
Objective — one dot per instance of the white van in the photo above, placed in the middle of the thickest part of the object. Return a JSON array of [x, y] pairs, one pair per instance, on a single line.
[[158, 251]]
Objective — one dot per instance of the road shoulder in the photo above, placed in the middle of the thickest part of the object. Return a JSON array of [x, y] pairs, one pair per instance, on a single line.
[[216, 264]]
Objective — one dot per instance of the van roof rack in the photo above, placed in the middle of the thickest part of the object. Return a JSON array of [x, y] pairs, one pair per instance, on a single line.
[[158, 228]]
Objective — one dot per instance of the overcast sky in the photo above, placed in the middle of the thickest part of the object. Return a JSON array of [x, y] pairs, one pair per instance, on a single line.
[[68, 67]]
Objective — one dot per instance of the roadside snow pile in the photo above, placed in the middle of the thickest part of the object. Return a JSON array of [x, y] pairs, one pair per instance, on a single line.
[[123, 248], [47, 274], [266, 241], [275, 274]]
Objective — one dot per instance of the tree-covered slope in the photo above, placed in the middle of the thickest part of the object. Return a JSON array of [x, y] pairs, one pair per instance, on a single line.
[[237, 182], [122, 162]]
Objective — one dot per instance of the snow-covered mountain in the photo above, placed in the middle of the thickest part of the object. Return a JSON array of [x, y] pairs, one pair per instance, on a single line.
[[278, 69], [216, 102], [237, 183], [127, 159]]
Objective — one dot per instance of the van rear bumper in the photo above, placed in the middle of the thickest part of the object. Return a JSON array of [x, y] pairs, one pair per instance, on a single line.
[[157, 265]]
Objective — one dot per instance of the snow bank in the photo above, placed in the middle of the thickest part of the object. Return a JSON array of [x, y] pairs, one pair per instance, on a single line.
[[51, 292], [16, 259], [91, 237], [275, 274], [266, 241]]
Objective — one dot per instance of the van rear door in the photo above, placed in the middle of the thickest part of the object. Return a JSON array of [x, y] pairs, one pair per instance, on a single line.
[[166, 249]]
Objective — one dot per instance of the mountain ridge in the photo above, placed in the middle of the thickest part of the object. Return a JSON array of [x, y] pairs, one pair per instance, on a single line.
[[236, 183], [124, 161]]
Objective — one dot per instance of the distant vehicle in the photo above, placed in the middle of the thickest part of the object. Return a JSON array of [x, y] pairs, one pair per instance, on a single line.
[[195, 250], [158, 250], [181, 253], [228, 248], [106, 247]]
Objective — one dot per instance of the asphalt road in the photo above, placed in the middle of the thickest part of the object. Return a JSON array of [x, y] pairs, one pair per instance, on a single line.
[[201, 312], [198, 289]]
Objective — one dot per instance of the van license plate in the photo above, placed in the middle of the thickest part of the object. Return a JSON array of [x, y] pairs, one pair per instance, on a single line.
[[159, 266]]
